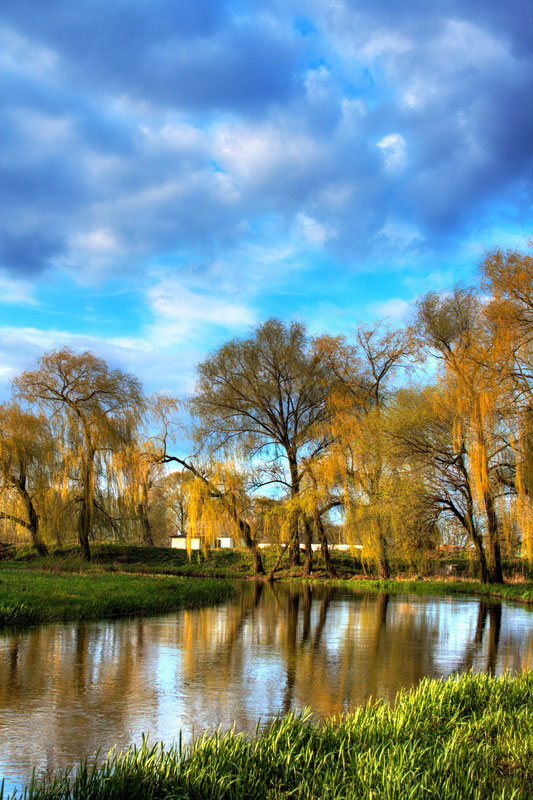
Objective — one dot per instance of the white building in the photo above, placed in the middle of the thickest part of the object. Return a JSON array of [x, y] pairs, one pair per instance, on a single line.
[[180, 542], [195, 543]]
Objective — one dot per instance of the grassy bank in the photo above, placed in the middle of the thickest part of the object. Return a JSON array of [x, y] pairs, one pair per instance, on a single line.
[[229, 564], [31, 596], [469, 738]]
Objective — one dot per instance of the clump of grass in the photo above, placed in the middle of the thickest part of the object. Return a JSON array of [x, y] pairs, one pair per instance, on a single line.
[[16, 614], [468, 738], [32, 596]]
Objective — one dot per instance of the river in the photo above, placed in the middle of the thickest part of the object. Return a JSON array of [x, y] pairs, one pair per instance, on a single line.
[[68, 690]]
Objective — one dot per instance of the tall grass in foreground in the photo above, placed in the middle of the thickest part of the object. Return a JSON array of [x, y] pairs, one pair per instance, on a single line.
[[468, 738]]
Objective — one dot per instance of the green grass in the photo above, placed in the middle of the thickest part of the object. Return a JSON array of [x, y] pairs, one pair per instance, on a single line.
[[32, 596], [228, 564], [469, 738]]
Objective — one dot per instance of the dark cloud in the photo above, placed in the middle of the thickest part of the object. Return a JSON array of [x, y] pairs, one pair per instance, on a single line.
[[29, 252], [193, 55], [122, 25]]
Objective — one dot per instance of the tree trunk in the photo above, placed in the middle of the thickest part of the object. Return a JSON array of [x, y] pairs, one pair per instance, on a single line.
[[469, 523], [383, 558], [33, 519], [495, 559], [142, 512], [324, 548], [480, 550], [308, 537], [86, 517], [294, 541], [294, 547], [147, 538], [34, 527], [84, 529], [251, 544]]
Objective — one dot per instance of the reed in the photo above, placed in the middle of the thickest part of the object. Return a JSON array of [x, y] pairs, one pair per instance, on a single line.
[[467, 738]]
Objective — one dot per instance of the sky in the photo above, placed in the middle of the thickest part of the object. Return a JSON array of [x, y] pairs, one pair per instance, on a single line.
[[174, 172]]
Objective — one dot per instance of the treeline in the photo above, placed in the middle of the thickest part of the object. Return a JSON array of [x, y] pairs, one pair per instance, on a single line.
[[288, 430]]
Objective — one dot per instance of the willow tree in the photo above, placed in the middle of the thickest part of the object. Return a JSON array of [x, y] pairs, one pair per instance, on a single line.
[[215, 497], [508, 277], [212, 491], [26, 462], [95, 408], [174, 490], [360, 464], [137, 485], [265, 399], [454, 328], [423, 428]]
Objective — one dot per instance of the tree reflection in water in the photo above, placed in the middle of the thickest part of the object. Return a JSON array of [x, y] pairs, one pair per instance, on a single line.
[[69, 690]]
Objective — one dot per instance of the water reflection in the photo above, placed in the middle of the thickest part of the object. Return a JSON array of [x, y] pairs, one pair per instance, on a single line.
[[69, 690]]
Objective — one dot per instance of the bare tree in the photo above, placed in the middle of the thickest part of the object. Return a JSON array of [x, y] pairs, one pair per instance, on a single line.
[[266, 397]]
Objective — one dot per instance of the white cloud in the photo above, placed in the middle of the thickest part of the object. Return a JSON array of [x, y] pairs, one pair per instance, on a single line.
[[180, 312], [25, 55], [394, 151], [385, 43], [394, 309], [20, 348], [256, 153], [13, 290], [311, 230], [399, 235], [318, 84], [98, 241], [459, 50]]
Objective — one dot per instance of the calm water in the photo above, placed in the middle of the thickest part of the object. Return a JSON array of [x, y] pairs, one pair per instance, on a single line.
[[67, 690]]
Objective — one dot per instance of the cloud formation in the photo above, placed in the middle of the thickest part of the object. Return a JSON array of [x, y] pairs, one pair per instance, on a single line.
[[134, 131]]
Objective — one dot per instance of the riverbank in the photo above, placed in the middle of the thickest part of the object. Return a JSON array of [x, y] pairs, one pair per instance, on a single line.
[[237, 564], [468, 738], [29, 596]]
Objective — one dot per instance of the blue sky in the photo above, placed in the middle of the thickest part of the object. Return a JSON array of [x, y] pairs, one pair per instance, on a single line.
[[175, 172]]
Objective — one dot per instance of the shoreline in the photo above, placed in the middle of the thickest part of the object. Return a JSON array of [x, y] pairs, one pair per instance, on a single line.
[[126, 581], [469, 737], [32, 597], [516, 592]]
